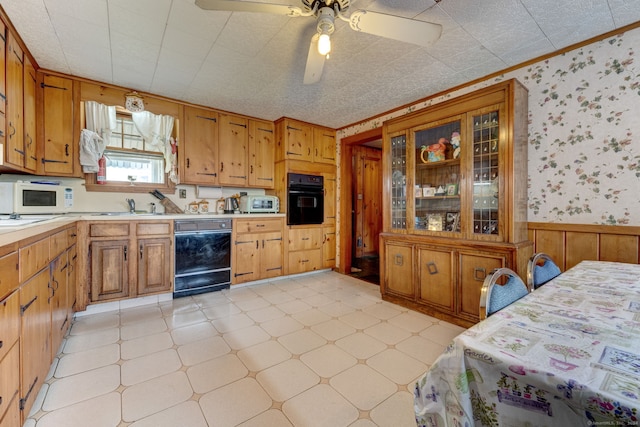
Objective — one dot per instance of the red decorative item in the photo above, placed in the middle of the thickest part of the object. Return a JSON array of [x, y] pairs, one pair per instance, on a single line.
[[102, 171]]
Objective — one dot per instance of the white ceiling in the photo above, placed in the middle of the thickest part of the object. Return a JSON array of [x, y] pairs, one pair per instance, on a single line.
[[253, 63]]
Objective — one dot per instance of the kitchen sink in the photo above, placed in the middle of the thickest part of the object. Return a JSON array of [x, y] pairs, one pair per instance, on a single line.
[[127, 213]]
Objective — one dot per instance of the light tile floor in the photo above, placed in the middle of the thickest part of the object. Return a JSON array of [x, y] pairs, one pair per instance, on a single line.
[[316, 350]]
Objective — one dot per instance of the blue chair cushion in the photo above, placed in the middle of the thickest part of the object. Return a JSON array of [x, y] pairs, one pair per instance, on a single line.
[[545, 272], [502, 296]]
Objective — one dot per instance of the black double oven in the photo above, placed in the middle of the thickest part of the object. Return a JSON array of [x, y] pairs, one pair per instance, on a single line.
[[305, 199]]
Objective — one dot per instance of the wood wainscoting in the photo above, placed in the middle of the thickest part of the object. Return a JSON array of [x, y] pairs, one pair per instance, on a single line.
[[568, 244]]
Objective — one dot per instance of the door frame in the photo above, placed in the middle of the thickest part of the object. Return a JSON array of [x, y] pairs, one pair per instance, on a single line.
[[346, 196]]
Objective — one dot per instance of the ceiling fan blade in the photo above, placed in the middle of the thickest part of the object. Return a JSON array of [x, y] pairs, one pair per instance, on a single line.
[[395, 27], [248, 6], [315, 63]]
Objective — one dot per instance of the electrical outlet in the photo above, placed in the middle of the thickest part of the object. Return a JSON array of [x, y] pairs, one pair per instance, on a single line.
[[183, 194]]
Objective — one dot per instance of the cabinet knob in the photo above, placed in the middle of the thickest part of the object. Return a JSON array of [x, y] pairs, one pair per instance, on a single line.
[[479, 274], [398, 259], [432, 268]]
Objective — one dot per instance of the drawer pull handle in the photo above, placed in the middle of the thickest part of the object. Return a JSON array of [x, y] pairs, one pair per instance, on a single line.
[[476, 274], [1, 344], [432, 268], [305, 238], [260, 225], [398, 259]]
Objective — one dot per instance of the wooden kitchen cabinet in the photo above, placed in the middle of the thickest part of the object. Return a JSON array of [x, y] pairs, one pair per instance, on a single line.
[[35, 338], [398, 268], [257, 249], [304, 249], [233, 139], [457, 179], [59, 293], [328, 247], [130, 258], [9, 337], [324, 145], [199, 151], [58, 150], [294, 140], [261, 154], [29, 105], [14, 152], [330, 184], [155, 244]]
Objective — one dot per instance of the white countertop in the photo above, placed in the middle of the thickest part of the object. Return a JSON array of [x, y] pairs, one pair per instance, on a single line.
[[12, 234]]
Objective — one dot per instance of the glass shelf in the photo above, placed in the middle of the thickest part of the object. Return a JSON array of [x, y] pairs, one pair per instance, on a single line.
[[486, 192]]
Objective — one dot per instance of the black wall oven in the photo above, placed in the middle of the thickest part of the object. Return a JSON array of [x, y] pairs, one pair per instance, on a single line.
[[202, 256], [305, 199]]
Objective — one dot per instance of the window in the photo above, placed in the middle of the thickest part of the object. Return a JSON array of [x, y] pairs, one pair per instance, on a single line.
[[133, 165], [129, 158]]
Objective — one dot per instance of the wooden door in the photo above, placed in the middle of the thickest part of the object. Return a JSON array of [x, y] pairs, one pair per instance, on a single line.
[[200, 147], [261, 154], [59, 147], [109, 269], [436, 277], [72, 280], [330, 185], [60, 294], [271, 255], [35, 340], [232, 150], [324, 146], [473, 270], [367, 201], [3, 71], [154, 265], [299, 141], [246, 258], [14, 152], [398, 269], [30, 159]]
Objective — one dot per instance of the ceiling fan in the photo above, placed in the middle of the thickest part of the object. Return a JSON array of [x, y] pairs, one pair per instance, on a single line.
[[380, 24]]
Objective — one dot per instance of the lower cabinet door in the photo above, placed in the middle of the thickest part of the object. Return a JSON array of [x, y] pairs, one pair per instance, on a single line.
[[246, 258], [271, 255], [303, 261], [436, 278], [473, 270], [154, 265], [398, 269], [109, 269]]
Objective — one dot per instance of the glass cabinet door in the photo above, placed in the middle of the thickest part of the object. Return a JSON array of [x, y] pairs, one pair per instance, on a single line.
[[486, 191], [399, 182], [436, 185]]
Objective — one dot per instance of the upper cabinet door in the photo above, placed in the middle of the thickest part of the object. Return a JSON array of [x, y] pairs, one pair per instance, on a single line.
[[232, 149], [59, 147], [261, 154], [14, 151], [199, 150], [298, 141], [30, 159], [324, 146]]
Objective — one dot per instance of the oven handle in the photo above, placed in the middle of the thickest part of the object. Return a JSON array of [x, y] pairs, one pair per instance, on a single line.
[[314, 192]]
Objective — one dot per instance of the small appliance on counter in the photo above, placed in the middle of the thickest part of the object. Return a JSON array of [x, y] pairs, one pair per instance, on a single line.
[[35, 197], [259, 204], [230, 205]]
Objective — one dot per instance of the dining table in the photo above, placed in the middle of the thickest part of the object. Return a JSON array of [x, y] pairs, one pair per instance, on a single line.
[[566, 354]]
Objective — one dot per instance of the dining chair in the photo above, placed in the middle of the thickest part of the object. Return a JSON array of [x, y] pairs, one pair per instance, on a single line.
[[540, 270], [495, 295]]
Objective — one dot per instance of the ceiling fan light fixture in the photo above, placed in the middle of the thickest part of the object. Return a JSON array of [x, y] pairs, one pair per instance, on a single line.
[[324, 44]]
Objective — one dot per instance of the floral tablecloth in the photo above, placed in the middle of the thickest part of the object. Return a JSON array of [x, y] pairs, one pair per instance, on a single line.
[[567, 354]]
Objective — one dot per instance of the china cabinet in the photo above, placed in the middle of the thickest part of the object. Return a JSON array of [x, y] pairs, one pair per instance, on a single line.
[[456, 208]]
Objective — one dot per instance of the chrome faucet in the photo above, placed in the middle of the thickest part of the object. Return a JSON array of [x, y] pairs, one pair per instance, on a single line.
[[132, 205]]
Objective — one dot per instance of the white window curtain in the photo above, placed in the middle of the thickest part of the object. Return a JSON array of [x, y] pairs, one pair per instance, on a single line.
[[156, 129], [100, 119]]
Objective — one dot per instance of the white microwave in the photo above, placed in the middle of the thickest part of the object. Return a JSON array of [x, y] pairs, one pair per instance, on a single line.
[[34, 198], [259, 204]]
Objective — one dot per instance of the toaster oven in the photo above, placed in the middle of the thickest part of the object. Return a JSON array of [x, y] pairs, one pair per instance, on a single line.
[[259, 204]]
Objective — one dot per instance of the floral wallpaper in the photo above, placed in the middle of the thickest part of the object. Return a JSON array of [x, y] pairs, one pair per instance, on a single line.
[[584, 132]]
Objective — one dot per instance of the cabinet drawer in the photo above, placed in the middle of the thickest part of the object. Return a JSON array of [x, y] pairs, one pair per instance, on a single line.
[[9, 323], [303, 261], [305, 238], [153, 228], [10, 384], [258, 226], [58, 243], [9, 277], [109, 229], [33, 258]]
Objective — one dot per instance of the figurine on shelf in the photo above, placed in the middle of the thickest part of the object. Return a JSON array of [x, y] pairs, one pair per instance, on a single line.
[[455, 143], [435, 152]]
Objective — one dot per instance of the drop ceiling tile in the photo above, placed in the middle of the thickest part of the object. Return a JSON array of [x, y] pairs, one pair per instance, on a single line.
[[198, 22], [404, 8], [77, 35], [140, 19], [93, 11], [625, 12], [94, 65]]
